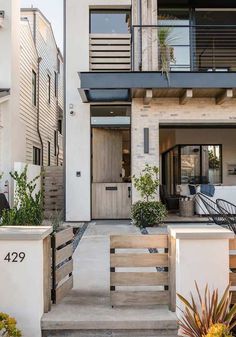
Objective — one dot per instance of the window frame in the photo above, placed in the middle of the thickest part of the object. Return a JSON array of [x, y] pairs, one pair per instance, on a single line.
[[34, 87], [104, 10], [49, 89], [55, 84], [49, 153], [36, 156]]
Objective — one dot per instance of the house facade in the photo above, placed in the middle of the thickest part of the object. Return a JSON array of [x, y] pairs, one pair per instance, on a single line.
[[31, 86], [148, 82]]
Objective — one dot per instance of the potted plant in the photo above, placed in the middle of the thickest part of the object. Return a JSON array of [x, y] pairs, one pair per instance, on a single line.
[[148, 211], [8, 326], [27, 209], [210, 316]]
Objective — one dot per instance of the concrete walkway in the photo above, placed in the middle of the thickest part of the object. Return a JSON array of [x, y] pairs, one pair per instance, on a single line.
[[87, 306]]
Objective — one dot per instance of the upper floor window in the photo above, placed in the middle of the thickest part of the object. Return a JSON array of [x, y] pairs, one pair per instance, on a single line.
[[34, 88], [36, 155], [110, 21], [49, 88], [55, 84]]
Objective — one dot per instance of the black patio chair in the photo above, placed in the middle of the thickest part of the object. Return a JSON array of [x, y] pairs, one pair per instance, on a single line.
[[229, 211], [212, 211], [3, 203]]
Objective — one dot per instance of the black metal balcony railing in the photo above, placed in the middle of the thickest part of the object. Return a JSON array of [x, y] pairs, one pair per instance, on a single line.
[[184, 48]]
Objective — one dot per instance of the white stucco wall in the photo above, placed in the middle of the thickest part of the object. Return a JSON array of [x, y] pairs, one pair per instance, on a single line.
[[78, 135]]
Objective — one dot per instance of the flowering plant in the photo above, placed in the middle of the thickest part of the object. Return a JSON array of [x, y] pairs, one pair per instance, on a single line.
[[210, 316], [8, 326]]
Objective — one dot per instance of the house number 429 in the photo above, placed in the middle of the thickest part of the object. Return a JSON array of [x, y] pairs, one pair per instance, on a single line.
[[15, 257]]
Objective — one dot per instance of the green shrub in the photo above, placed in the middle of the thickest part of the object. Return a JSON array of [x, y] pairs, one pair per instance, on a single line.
[[148, 213], [27, 209], [8, 326]]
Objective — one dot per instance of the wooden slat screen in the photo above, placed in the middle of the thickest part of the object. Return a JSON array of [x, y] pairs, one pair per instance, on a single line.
[[62, 264], [153, 255], [232, 266], [110, 52], [53, 192]]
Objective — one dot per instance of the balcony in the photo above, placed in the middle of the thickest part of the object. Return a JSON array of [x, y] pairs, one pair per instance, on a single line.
[[184, 48], [172, 61]]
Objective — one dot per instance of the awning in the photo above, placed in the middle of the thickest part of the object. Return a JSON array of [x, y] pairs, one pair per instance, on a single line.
[[118, 86]]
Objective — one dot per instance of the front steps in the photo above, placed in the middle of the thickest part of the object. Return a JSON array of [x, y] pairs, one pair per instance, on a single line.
[[111, 333], [164, 324]]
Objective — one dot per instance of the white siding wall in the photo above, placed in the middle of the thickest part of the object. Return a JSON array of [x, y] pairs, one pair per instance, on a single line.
[[28, 111], [47, 50]]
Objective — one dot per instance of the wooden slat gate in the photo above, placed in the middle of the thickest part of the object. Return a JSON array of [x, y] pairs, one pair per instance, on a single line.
[[123, 257], [62, 264], [232, 266], [53, 191]]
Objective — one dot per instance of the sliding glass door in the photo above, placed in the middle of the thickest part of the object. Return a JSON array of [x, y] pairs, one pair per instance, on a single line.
[[192, 164]]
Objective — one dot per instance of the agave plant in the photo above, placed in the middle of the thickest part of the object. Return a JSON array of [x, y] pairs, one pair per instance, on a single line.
[[210, 316]]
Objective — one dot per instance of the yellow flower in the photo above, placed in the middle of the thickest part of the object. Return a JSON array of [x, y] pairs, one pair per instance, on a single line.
[[218, 330]]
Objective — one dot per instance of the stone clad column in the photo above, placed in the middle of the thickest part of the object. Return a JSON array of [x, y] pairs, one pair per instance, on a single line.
[[145, 39], [143, 116]]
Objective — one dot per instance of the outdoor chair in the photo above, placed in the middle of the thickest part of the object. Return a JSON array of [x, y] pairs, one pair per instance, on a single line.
[[171, 201], [212, 211], [229, 211], [3, 203]]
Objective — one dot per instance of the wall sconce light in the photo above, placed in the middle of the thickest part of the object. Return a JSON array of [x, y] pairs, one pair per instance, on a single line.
[[2, 16], [146, 140]]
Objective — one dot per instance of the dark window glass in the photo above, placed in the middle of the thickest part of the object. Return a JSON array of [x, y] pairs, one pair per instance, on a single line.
[[55, 142], [36, 156], [49, 153], [49, 89], [109, 21], [215, 17], [34, 88], [60, 126], [55, 84]]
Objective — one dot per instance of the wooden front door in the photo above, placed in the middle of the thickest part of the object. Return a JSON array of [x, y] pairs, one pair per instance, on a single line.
[[111, 198]]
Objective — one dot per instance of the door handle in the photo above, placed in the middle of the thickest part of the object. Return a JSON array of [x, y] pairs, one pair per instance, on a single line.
[[129, 192]]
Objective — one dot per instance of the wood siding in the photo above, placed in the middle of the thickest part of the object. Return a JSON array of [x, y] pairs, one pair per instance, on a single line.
[[46, 48], [110, 52], [152, 270]]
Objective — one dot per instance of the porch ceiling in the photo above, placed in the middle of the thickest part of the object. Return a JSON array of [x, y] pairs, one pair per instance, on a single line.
[[177, 93]]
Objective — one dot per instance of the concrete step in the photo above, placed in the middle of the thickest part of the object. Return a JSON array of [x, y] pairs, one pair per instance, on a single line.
[[111, 333]]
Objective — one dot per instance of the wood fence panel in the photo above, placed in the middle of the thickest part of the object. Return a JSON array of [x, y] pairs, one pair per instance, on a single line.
[[142, 298], [62, 264], [139, 241], [53, 191], [156, 260], [47, 262]]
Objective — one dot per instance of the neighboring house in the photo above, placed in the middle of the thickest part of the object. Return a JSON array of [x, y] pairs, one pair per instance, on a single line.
[[151, 85], [41, 95], [31, 91]]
